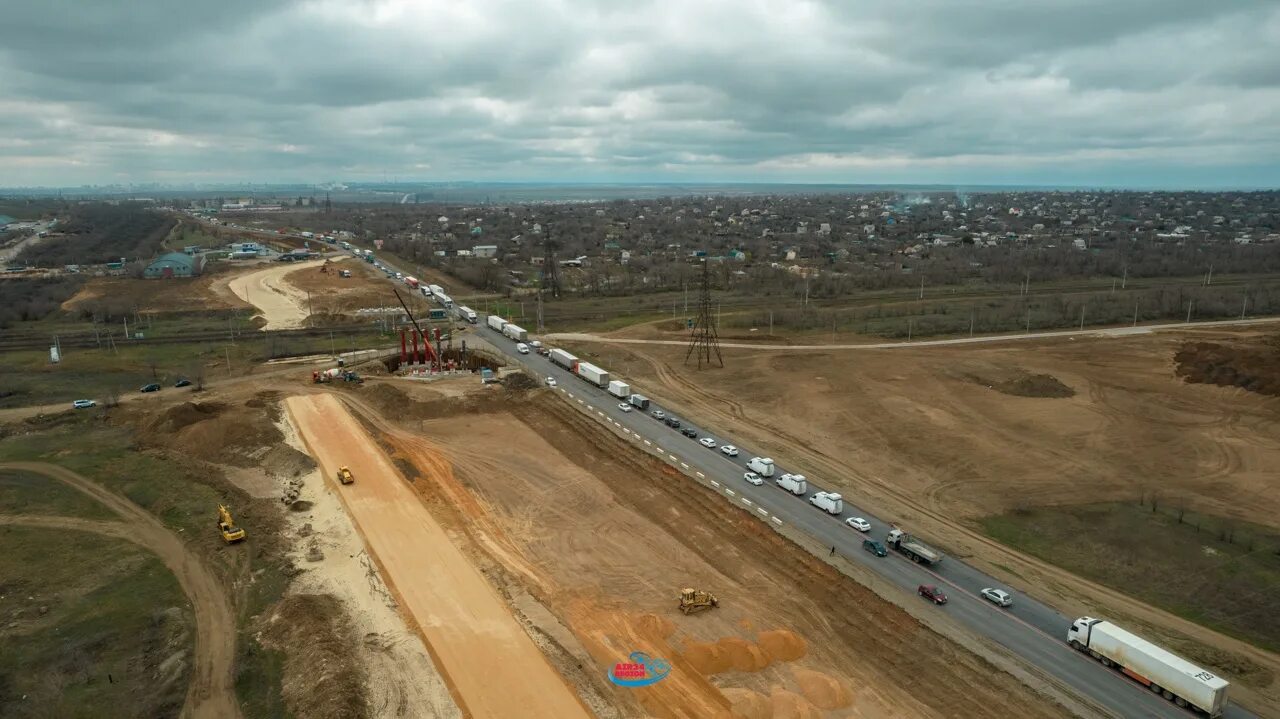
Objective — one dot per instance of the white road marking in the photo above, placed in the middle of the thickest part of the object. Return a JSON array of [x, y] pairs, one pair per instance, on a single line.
[[624, 429], [715, 484], [701, 475], [568, 393], [579, 401], [731, 493], [776, 520], [682, 464], [648, 443], [747, 501], [762, 511]]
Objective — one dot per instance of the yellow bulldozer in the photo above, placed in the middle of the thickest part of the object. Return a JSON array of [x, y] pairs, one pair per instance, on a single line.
[[344, 475], [227, 526], [695, 600]]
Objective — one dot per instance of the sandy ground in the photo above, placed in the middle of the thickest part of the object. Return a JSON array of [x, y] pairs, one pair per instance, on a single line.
[[926, 436], [561, 515], [493, 667], [402, 681], [281, 304], [335, 295], [212, 691]]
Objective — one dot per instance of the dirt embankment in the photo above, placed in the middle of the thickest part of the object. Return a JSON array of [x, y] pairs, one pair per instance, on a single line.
[[1252, 363], [320, 681], [591, 541]]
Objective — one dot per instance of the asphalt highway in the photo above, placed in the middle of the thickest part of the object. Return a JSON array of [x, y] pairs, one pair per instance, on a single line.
[[1030, 629]]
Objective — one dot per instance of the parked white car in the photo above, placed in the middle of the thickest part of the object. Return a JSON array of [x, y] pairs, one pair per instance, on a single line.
[[998, 597], [859, 524], [624, 406], [753, 478], [707, 442], [84, 404], [730, 450]]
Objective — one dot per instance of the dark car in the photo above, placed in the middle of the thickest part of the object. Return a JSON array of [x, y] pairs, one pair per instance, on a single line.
[[875, 547], [153, 387], [932, 593], [182, 383], [688, 432], [672, 422]]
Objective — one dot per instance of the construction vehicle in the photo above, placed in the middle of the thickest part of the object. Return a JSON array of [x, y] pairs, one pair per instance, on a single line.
[[695, 600], [344, 475], [333, 374], [227, 526], [916, 550]]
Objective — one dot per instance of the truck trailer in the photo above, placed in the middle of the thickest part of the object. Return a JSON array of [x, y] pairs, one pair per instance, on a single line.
[[796, 484], [564, 359], [592, 374], [515, 332], [619, 389], [639, 401], [762, 466], [467, 313], [829, 502], [915, 549], [1161, 671], [495, 322]]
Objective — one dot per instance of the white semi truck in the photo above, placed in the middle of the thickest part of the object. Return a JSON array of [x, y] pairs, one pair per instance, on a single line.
[[796, 484], [592, 374], [915, 549], [562, 358], [467, 313], [619, 389], [762, 466], [1161, 671], [829, 502], [495, 322], [515, 332]]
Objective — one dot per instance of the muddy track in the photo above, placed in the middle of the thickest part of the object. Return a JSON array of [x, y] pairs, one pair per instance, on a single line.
[[211, 694]]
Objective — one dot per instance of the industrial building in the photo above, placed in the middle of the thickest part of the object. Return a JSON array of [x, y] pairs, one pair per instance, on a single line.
[[174, 264]]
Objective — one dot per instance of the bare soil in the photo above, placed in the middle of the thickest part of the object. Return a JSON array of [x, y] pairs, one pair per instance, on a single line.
[[322, 678], [1250, 362], [591, 542], [178, 294]]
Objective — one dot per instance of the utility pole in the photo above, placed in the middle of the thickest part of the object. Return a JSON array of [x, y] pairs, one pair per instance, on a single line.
[[541, 328], [1135, 313], [1125, 280], [922, 287], [1028, 319], [126, 327], [1243, 305], [1113, 285], [770, 323], [1208, 280], [973, 315], [228, 351], [1190, 303], [1081, 317], [911, 322]]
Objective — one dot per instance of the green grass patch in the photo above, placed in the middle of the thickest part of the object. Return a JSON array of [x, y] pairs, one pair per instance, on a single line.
[[26, 493], [1220, 573], [87, 628]]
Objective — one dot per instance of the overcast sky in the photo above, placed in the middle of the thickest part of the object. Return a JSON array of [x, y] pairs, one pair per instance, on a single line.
[[1074, 92]]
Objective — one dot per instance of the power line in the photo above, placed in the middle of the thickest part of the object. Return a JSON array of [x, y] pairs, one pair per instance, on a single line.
[[704, 339]]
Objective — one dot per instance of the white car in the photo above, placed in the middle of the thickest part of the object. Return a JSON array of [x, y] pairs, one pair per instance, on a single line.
[[84, 404], [707, 442], [998, 597], [730, 450], [624, 406], [551, 381], [859, 524], [522, 348], [753, 478]]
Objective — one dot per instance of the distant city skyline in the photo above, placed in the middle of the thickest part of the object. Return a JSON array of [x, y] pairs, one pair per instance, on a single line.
[[1148, 94]]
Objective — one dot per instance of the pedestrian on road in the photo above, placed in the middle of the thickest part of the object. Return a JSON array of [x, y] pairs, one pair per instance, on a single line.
[[833, 550]]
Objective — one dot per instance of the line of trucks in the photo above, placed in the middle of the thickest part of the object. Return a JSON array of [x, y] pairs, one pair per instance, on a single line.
[[1161, 671]]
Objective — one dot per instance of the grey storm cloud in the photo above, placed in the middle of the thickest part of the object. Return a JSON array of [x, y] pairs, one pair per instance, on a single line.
[[1152, 92]]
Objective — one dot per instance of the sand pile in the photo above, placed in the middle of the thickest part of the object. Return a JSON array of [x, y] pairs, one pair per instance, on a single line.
[[1253, 365], [789, 705], [727, 654], [782, 645], [822, 690], [748, 704]]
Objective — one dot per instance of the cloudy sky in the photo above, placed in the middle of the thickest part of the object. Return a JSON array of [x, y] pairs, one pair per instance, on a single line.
[[1072, 92]]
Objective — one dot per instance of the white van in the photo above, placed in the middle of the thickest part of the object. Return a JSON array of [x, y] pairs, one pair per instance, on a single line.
[[522, 348]]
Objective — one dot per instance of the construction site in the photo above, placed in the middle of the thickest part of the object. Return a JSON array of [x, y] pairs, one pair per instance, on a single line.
[[425, 529]]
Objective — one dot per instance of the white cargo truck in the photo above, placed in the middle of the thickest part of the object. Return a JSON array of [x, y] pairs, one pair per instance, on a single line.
[[619, 389], [1161, 671], [639, 401], [915, 549], [562, 358], [467, 313], [796, 484], [762, 466], [435, 289], [829, 502], [593, 374], [495, 322], [515, 332], [444, 300]]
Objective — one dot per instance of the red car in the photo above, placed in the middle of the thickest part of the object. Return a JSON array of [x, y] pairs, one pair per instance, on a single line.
[[932, 593]]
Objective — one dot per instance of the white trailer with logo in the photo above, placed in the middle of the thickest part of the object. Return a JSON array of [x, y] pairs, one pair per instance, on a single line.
[[593, 374]]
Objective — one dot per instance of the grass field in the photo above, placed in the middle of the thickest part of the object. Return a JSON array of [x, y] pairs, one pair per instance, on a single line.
[[1221, 574], [25, 493], [88, 635]]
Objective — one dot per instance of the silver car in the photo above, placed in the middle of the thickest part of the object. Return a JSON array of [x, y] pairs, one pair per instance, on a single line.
[[753, 478], [998, 597]]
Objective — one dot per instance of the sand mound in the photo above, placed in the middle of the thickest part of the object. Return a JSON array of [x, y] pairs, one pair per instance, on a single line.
[[186, 414], [743, 655], [748, 704], [1015, 381], [782, 645], [654, 627], [822, 690], [788, 705], [706, 658], [1254, 365]]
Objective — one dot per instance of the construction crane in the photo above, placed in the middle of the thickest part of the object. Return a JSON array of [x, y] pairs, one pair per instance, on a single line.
[[227, 526], [695, 600], [426, 342]]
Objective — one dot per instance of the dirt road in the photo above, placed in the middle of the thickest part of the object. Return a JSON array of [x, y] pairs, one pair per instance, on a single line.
[[212, 691], [280, 303], [491, 664]]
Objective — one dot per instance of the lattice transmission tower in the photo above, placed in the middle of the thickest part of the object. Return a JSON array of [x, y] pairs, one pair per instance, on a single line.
[[704, 340]]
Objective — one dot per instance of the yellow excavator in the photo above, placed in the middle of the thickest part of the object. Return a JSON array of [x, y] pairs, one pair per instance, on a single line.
[[227, 526], [695, 600], [344, 475]]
